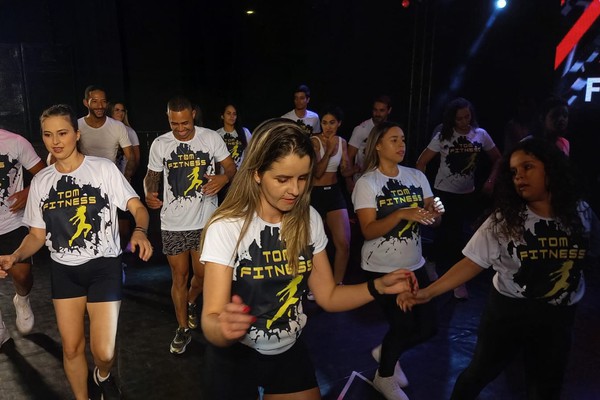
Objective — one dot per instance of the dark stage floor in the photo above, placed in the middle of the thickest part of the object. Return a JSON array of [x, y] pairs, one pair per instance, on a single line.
[[31, 366]]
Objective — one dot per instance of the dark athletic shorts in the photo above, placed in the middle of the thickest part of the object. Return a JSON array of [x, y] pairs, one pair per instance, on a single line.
[[10, 241], [327, 198], [236, 372], [99, 279], [177, 242]]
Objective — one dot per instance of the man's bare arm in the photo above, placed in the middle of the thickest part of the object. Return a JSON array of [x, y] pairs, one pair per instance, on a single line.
[[151, 186]]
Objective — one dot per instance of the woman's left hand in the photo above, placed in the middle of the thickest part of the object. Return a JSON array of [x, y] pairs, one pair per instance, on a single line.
[[399, 281], [140, 240]]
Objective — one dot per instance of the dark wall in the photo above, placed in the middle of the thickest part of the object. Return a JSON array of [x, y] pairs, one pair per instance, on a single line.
[[346, 51]]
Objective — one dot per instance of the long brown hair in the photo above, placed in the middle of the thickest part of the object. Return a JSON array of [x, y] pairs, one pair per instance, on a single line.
[[272, 140]]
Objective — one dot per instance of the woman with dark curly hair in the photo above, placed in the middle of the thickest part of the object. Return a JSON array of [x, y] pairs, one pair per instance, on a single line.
[[539, 239]]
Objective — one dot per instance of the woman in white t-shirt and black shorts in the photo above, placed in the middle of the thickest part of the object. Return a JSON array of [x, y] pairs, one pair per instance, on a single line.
[[392, 202], [72, 208], [264, 247]]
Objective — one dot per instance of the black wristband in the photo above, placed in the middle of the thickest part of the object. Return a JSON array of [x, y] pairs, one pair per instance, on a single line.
[[372, 290]]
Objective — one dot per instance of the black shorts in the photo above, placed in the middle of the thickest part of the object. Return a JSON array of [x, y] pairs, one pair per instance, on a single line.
[[10, 241], [99, 279], [177, 242], [327, 198], [236, 372]]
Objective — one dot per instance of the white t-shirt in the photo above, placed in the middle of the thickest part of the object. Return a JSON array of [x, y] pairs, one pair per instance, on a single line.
[[400, 247], [16, 153], [358, 140], [459, 159], [78, 210], [310, 122], [261, 277], [234, 145], [135, 141], [104, 141], [184, 164], [546, 263]]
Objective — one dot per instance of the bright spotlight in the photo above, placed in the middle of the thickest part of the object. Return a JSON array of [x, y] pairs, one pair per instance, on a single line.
[[500, 4], [249, 12]]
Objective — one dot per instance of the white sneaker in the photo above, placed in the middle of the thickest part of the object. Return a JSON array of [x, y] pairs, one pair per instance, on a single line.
[[461, 292], [25, 318], [389, 388], [399, 375]]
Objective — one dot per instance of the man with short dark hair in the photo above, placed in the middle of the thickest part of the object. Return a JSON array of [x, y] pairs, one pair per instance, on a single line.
[[185, 159], [101, 136], [382, 107], [309, 120]]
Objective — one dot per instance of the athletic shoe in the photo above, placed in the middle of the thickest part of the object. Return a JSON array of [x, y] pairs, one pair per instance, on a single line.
[[108, 388], [461, 292], [310, 296], [182, 338], [4, 334], [25, 318], [399, 375], [192, 316], [389, 388]]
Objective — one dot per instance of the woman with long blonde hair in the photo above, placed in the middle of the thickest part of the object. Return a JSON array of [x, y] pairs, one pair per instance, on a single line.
[[263, 248]]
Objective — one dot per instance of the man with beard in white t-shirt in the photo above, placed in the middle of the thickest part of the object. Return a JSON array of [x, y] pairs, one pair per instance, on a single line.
[[101, 136]]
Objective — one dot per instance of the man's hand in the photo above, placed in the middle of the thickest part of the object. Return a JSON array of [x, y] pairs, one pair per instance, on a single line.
[[18, 199], [214, 184], [152, 201]]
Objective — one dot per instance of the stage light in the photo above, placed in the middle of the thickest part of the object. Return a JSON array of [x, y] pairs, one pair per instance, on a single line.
[[249, 12], [405, 3], [500, 4]]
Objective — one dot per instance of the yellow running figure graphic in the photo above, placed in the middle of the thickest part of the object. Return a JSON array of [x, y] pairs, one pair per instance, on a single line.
[[235, 151], [410, 223], [79, 220], [563, 275], [196, 181], [471, 164], [289, 291]]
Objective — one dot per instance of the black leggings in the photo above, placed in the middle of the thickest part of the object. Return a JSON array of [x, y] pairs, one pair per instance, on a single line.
[[407, 329], [509, 325]]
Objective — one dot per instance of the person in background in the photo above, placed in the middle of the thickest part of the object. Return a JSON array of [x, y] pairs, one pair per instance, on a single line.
[[264, 248], [309, 120], [186, 159], [459, 144], [539, 240], [522, 124], [554, 119], [326, 195], [392, 202], [382, 107], [118, 111], [102, 136], [236, 138], [16, 154], [72, 208]]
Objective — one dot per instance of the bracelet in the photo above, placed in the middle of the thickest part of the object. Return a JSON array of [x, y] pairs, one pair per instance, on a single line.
[[140, 229], [371, 286]]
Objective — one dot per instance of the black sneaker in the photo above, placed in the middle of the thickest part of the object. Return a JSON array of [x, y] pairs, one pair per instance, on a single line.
[[108, 387], [182, 338], [192, 316]]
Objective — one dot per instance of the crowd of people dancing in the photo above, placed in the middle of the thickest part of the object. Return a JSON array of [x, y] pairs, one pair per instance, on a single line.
[[245, 220]]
